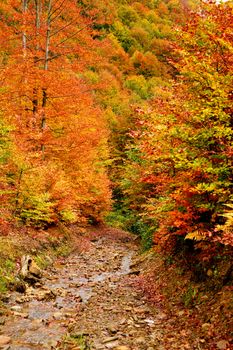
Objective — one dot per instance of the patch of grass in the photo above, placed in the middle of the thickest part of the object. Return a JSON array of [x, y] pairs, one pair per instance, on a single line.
[[130, 221], [42, 260], [3, 285], [7, 268], [63, 250], [10, 265], [168, 260], [190, 297], [75, 340], [118, 219]]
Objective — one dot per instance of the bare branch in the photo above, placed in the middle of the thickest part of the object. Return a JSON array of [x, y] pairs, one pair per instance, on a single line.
[[73, 35], [62, 28]]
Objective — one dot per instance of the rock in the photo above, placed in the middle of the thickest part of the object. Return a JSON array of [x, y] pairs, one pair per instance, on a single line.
[[19, 286], [38, 285], [128, 308], [35, 324], [58, 315], [112, 328], [109, 339], [133, 333], [150, 322], [134, 272], [141, 310], [4, 340], [21, 300], [112, 345], [2, 321], [16, 308], [123, 321], [140, 340], [21, 314], [222, 344], [30, 271], [161, 316], [206, 326], [45, 295], [180, 313], [5, 298]]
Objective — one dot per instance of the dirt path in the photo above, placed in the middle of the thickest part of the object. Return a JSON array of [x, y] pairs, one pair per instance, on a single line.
[[87, 301], [87, 296]]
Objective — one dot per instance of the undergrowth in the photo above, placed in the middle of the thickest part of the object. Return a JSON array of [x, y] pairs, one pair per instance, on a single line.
[[43, 246], [129, 221]]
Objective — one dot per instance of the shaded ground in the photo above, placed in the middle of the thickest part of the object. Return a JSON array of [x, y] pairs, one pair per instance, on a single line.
[[94, 300]]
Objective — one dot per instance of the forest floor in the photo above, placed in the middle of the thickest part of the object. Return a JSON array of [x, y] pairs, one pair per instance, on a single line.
[[98, 298]]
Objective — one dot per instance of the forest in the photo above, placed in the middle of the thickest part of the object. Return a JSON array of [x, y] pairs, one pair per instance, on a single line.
[[120, 112]]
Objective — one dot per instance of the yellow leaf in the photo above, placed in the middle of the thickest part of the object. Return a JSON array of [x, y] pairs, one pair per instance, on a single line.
[[196, 236]]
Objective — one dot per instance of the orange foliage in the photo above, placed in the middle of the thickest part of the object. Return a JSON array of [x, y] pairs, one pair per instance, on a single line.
[[59, 132]]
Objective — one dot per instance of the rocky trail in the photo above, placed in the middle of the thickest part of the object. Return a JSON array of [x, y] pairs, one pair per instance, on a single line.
[[88, 301], [85, 301]]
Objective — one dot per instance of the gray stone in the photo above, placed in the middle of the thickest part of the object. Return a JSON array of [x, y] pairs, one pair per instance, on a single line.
[[16, 308]]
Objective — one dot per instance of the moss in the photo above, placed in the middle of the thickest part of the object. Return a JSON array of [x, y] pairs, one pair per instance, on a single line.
[[3, 285]]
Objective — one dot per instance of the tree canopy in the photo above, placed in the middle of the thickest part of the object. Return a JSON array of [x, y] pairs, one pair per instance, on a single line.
[[122, 104]]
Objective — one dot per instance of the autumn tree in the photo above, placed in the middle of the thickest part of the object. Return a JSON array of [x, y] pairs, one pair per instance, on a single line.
[[48, 102], [182, 144]]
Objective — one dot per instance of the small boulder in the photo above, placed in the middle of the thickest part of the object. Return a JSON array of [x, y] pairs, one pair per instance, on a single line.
[[16, 308], [30, 271]]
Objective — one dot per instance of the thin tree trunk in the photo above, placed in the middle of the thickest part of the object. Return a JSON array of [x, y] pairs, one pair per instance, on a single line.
[[35, 102], [18, 191], [46, 62], [24, 38], [48, 36]]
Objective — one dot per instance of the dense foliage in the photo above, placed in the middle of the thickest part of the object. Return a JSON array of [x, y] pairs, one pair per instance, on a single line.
[[138, 92], [53, 134], [172, 170]]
